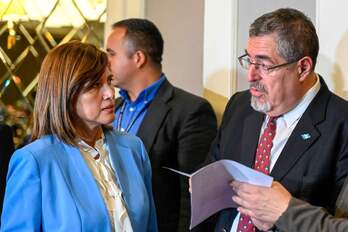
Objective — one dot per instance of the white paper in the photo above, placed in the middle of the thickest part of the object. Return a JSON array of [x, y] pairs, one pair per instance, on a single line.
[[211, 190]]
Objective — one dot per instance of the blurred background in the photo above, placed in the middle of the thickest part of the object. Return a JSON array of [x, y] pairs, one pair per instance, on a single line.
[[28, 30]]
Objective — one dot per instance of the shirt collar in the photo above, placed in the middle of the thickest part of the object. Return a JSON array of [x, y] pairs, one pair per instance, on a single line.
[[295, 114], [92, 151], [147, 94]]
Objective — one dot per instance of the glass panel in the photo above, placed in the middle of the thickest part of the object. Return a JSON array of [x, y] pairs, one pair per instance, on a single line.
[[28, 30]]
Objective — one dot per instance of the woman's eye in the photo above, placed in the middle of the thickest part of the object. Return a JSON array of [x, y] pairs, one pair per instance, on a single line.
[[109, 79], [97, 85]]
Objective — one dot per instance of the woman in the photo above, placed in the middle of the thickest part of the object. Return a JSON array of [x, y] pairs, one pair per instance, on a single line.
[[78, 175]]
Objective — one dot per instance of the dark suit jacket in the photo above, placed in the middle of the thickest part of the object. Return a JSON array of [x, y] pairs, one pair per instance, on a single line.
[[312, 169], [6, 150], [177, 131], [301, 216]]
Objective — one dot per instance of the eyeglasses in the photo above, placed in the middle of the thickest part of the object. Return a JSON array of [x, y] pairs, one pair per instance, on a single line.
[[246, 62]]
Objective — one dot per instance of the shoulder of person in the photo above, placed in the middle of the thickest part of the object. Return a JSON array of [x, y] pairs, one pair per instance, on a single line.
[[42, 145], [241, 101], [124, 139], [185, 102], [41, 149], [4, 127], [338, 104]]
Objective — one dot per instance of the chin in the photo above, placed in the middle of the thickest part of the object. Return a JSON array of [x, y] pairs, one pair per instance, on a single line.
[[107, 120], [260, 105]]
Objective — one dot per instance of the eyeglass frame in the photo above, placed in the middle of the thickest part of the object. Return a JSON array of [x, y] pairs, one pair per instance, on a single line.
[[267, 68]]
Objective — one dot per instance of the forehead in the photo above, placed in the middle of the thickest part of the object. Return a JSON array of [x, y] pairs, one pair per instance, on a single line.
[[116, 36], [263, 47]]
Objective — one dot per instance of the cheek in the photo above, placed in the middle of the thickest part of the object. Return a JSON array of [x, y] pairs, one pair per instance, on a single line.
[[112, 65], [87, 107], [275, 93]]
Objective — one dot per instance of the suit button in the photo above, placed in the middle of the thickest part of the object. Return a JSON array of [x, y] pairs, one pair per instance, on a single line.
[[223, 230]]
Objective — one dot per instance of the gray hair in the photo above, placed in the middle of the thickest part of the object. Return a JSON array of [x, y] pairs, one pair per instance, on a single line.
[[296, 34]]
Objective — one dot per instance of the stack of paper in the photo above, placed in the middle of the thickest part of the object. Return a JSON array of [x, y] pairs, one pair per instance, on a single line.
[[211, 190]]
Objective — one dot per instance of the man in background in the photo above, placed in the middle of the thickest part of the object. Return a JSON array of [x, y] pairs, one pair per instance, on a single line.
[[175, 126]]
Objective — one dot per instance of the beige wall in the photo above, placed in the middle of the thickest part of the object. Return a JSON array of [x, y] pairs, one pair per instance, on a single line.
[[332, 26], [120, 9], [181, 24]]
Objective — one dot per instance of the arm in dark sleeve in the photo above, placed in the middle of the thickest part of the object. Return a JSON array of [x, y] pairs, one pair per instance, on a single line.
[[301, 216], [195, 137], [214, 152], [196, 134]]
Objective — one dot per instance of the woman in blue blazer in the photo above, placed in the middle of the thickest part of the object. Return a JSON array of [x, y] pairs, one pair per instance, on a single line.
[[70, 176]]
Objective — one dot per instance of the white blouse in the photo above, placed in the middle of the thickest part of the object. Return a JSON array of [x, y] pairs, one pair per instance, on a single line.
[[97, 158]]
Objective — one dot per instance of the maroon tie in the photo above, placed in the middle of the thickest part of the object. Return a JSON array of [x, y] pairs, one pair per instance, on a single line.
[[262, 164]]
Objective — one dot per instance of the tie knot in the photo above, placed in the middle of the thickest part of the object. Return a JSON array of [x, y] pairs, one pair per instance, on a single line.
[[272, 121]]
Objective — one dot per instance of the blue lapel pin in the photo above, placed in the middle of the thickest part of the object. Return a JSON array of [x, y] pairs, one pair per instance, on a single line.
[[306, 136]]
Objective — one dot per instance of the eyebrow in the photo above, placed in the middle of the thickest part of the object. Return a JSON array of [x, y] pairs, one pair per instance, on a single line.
[[260, 57], [109, 50]]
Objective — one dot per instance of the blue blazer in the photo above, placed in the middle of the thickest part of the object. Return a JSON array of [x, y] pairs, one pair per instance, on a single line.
[[51, 188]]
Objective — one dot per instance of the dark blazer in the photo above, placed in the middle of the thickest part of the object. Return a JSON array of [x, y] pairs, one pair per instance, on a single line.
[[177, 131], [312, 169], [6, 150], [301, 216]]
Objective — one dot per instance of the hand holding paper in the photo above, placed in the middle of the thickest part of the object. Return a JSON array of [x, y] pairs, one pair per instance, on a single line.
[[211, 190]]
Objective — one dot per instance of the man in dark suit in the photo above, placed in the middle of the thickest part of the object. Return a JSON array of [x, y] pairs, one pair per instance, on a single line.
[[6, 150], [288, 213], [175, 126], [288, 125]]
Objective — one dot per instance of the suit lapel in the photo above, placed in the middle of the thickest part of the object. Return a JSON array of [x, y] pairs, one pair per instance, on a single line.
[[303, 136], [118, 102], [250, 138], [116, 154], [155, 115], [81, 181]]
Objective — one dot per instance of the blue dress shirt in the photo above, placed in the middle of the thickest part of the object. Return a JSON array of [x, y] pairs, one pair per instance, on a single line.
[[131, 114]]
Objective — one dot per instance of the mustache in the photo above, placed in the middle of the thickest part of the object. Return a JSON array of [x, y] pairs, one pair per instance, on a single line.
[[258, 86]]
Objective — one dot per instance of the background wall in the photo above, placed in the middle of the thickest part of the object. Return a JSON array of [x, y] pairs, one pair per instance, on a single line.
[[332, 27], [121, 9], [181, 23], [219, 66]]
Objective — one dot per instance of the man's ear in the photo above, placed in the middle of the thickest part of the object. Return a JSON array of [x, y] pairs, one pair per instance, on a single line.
[[305, 67], [139, 58]]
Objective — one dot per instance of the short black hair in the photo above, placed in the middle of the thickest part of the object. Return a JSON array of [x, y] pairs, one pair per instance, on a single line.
[[142, 34], [296, 34]]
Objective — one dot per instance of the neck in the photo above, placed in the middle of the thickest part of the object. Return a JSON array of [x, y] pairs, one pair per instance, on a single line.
[[310, 82], [91, 135], [144, 81]]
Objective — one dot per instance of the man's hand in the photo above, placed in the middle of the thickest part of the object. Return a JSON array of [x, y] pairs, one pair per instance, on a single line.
[[263, 226], [263, 204]]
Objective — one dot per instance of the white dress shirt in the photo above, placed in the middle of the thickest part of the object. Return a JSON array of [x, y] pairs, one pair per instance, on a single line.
[[97, 158], [285, 125]]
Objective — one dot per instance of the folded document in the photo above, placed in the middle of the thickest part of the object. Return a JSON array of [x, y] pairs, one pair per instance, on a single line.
[[210, 189]]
